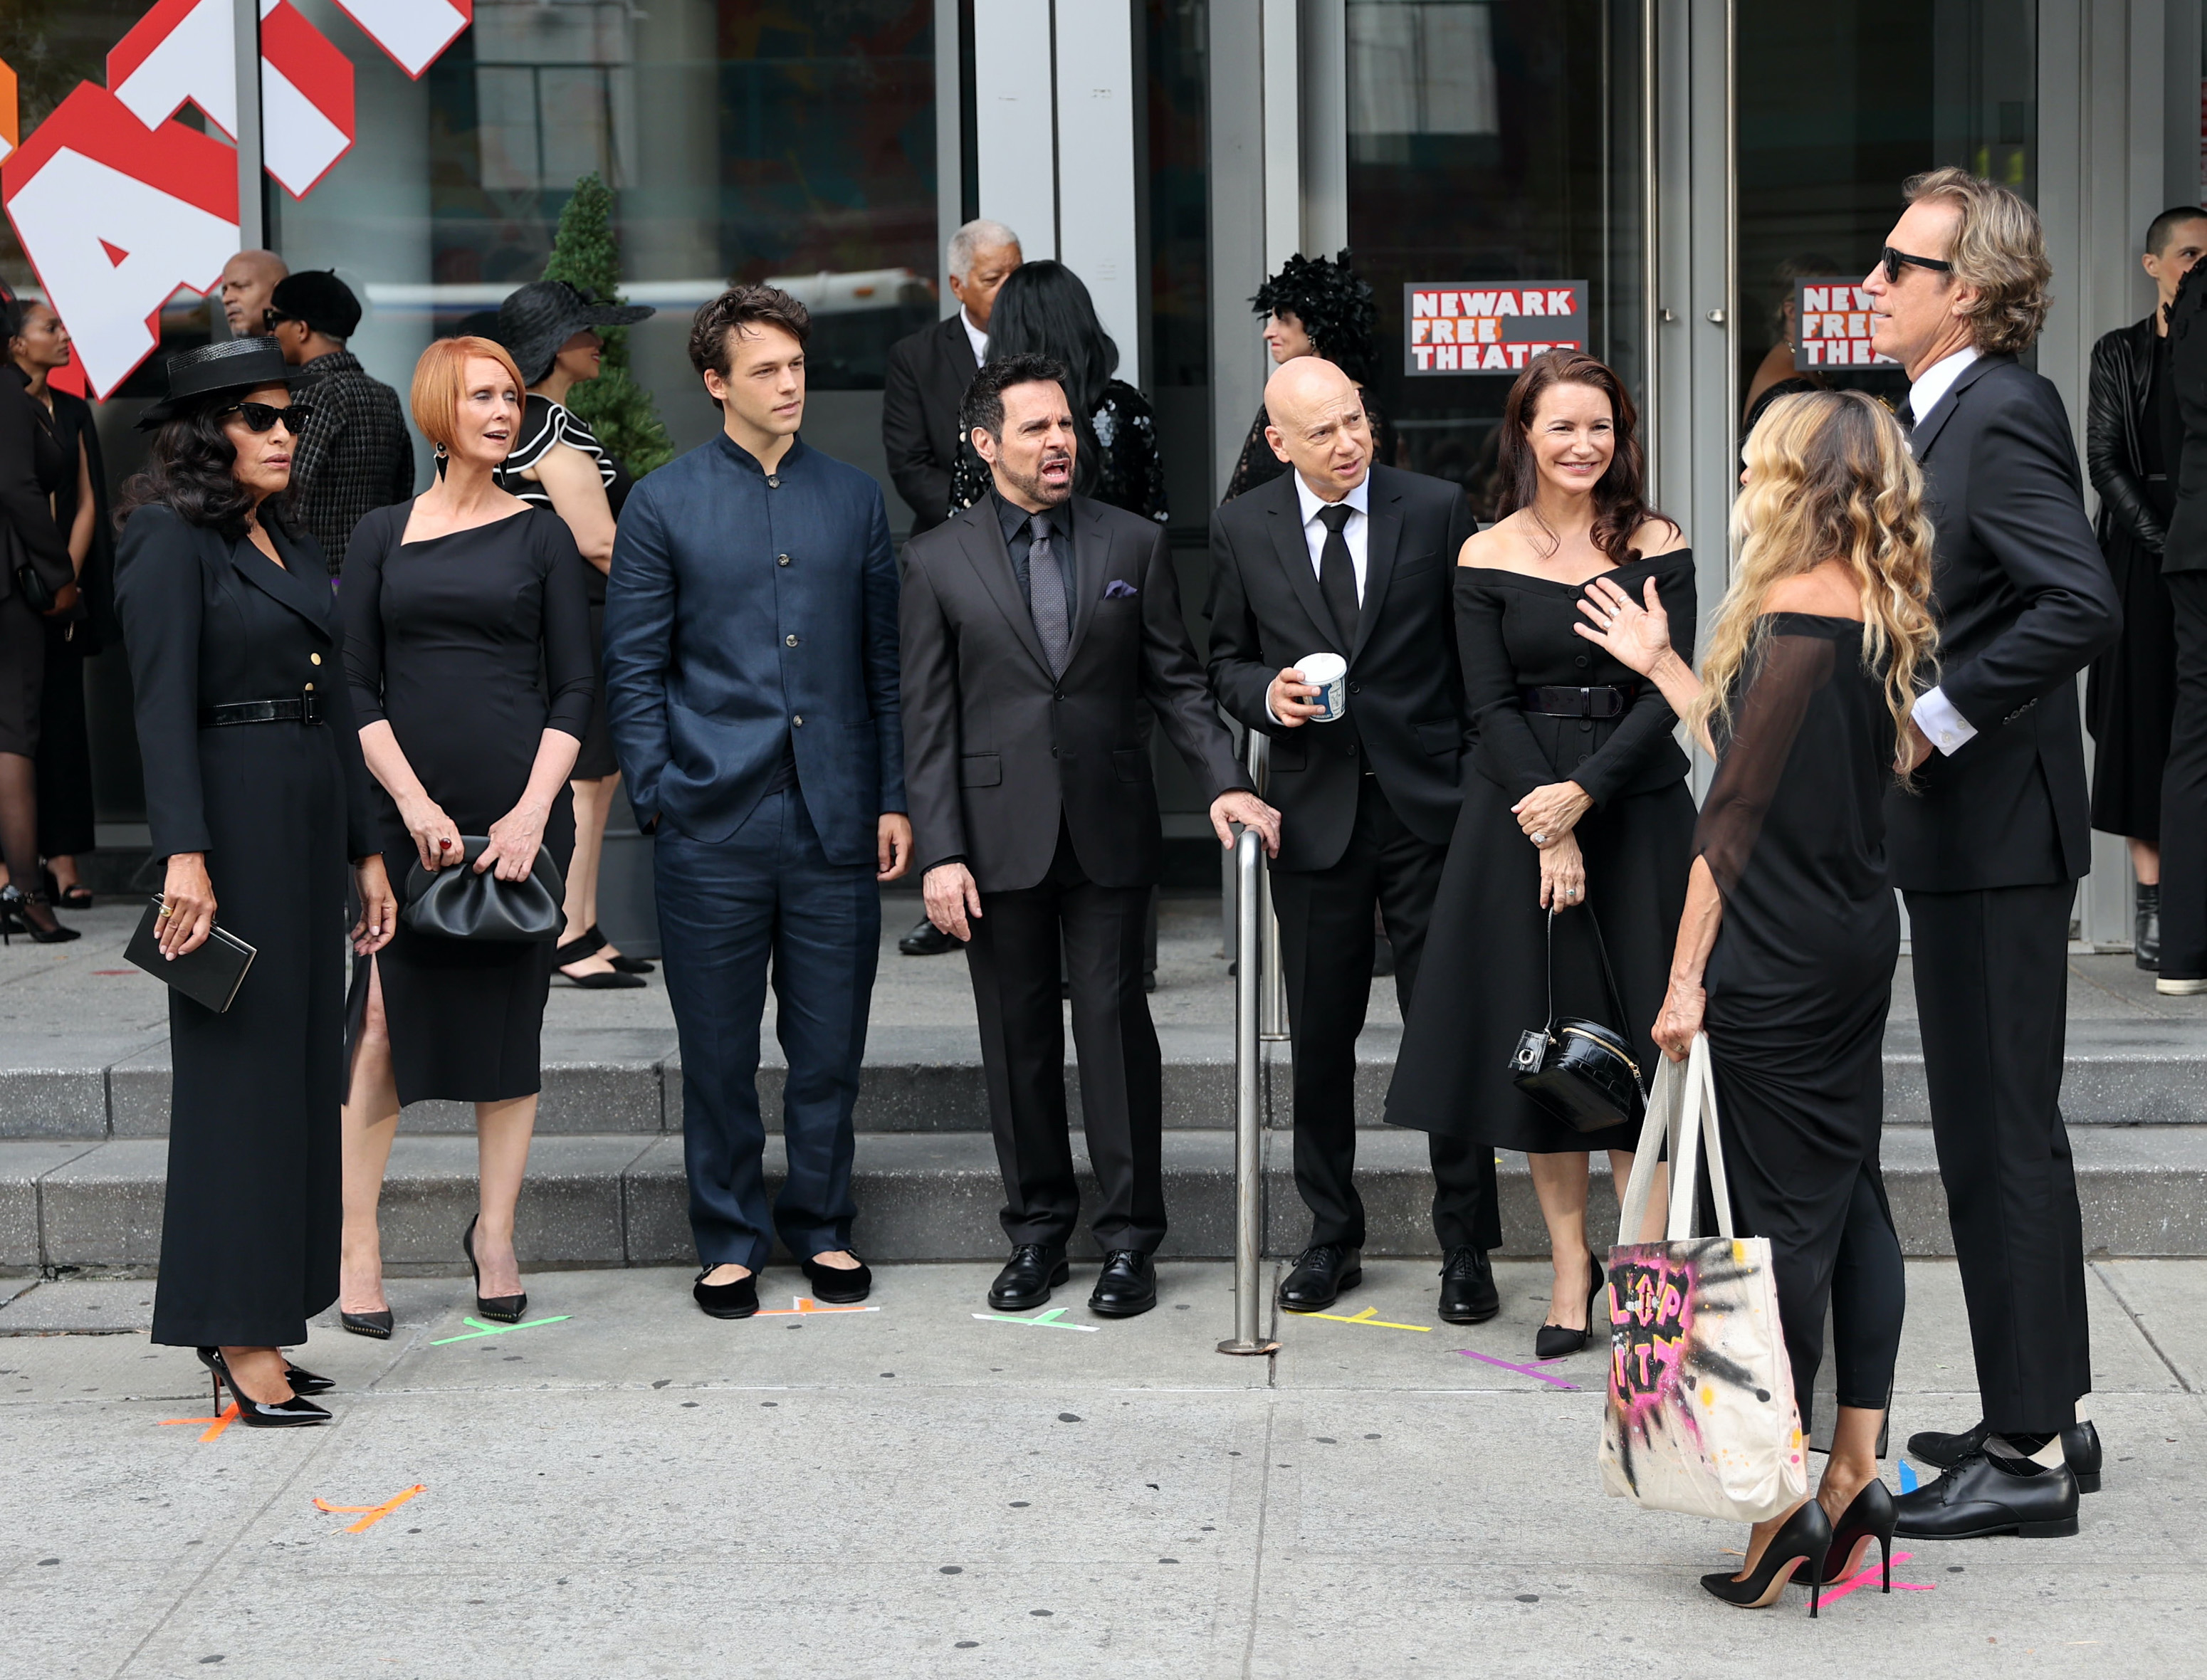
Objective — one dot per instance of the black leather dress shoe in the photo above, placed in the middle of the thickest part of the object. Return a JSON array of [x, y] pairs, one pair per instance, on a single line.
[[1034, 1269], [738, 1299], [1980, 1496], [1467, 1293], [1127, 1287], [1321, 1273], [928, 941], [838, 1286], [2080, 1446]]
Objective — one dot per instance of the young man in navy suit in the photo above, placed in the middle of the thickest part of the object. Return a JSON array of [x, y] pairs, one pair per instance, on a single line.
[[751, 683]]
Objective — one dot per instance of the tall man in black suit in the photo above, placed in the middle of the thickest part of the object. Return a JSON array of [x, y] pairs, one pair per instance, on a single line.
[[1990, 848], [1036, 626], [1345, 556]]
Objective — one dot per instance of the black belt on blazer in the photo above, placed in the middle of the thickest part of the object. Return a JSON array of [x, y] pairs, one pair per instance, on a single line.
[[1604, 700], [307, 709]]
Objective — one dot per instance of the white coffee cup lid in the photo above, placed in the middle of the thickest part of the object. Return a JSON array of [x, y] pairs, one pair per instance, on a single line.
[[1322, 668]]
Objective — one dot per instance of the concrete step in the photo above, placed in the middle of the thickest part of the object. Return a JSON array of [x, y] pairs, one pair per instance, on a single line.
[[620, 1200], [599, 1081]]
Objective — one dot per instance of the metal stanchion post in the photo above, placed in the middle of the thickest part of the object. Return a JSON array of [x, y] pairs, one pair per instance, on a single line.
[[1248, 1070], [1273, 998]]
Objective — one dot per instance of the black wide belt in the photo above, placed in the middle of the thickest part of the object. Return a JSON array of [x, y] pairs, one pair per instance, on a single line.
[[1604, 700], [307, 709]]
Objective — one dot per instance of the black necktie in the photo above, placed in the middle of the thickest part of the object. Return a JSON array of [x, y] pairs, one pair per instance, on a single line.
[[1046, 593], [1905, 414], [1336, 574]]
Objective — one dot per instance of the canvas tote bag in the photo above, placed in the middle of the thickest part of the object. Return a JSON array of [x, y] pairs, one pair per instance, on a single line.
[[1701, 1417]]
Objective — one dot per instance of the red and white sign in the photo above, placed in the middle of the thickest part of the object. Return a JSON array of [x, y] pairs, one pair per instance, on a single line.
[[1481, 327], [1831, 327]]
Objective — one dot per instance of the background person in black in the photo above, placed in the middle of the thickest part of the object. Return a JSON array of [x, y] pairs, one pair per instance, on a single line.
[[1315, 306], [1786, 948], [1036, 627], [1338, 555], [2183, 954], [925, 384], [2132, 441], [1575, 806], [1990, 851], [225, 604]]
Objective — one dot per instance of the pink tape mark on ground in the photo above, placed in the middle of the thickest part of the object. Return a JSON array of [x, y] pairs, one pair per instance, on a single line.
[[1867, 1575], [1521, 1370]]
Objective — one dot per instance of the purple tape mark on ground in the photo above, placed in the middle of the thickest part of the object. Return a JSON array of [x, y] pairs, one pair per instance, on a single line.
[[1521, 1370]]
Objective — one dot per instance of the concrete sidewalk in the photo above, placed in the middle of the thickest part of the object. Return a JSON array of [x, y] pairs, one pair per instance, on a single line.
[[637, 1491]]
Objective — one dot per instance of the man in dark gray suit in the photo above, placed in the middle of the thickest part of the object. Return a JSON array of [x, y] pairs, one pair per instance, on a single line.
[[1038, 628], [1989, 848]]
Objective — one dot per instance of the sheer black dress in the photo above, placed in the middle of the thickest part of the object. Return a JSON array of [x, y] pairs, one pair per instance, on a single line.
[[1486, 972], [470, 646], [1798, 983]]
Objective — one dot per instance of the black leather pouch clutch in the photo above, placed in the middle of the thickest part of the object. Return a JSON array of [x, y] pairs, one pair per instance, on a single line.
[[210, 976], [456, 903]]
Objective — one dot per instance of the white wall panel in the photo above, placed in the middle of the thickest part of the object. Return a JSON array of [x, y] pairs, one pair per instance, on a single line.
[[1013, 120], [1098, 223]]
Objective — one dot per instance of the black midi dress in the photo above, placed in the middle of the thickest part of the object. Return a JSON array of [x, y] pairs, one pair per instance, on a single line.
[[1485, 973], [1800, 978], [470, 646], [253, 1210]]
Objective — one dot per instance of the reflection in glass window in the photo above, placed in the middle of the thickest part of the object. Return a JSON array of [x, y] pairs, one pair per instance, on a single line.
[[1419, 66]]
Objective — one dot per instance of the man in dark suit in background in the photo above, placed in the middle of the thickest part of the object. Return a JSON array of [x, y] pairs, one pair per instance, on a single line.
[[922, 394], [1344, 556], [1038, 625], [1989, 848]]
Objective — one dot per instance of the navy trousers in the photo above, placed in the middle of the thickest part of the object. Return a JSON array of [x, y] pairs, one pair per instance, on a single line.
[[767, 895]]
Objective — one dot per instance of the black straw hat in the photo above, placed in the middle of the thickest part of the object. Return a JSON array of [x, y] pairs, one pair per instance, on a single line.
[[544, 314], [235, 365]]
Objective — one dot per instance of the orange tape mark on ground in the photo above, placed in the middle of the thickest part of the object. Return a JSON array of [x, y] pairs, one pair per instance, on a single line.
[[228, 1418], [369, 1515]]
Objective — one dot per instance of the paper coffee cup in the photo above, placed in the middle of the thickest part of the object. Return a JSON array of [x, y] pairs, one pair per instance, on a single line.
[[1329, 674]]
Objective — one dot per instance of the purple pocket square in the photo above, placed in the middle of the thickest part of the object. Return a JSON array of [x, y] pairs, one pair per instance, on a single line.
[[1119, 590]]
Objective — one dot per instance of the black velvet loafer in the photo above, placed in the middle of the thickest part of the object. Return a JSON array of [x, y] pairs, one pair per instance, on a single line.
[[838, 1286], [738, 1299]]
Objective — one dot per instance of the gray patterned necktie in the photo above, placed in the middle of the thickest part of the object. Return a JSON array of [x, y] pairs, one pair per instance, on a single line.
[[1046, 591]]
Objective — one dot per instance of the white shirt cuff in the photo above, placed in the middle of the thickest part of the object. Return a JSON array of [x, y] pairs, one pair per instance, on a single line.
[[1945, 728]]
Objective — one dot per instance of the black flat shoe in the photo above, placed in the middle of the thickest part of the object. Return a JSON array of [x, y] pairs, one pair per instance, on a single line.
[[296, 1412], [1034, 1269], [1982, 1495], [1556, 1342], [1798, 1547], [838, 1286], [1868, 1516], [738, 1299], [926, 940], [499, 1309], [1127, 1287], [624, 965], [375, 1325], [303, 1381], [1321, 1272], [2080, 1446], [1467, 1293]]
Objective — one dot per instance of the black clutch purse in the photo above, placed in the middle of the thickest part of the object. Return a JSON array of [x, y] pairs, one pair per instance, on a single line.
[[1581, 1072], [456, 903], [210, 976]]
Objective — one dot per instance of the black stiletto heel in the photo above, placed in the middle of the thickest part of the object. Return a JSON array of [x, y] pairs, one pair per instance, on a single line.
[[1804, 1542], [499, 1309], [16, 908], [296, 1413], [1555, 1341], [1870, 1517]]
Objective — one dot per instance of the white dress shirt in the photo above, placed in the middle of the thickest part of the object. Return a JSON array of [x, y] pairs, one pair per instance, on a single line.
[[1357, 532], [1945, 728], [974, 336]]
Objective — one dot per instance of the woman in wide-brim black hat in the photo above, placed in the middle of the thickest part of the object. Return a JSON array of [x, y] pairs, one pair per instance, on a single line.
[[551, 331], [258, 800]]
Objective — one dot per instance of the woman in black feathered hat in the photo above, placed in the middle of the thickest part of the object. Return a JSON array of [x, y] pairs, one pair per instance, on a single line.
[[1315, 306]]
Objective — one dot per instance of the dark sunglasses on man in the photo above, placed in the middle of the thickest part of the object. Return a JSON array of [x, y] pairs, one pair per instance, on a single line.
[[1895, 261], [260, 416]]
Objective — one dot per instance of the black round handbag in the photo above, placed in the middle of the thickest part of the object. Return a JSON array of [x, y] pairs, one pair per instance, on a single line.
[[455, 902], [1581, 1072]]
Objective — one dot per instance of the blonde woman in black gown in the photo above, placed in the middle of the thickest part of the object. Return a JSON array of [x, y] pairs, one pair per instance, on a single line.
[[1786, 949], [1575, 801]]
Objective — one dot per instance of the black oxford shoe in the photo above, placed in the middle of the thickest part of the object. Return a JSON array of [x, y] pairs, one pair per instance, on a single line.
[[1467, 1293], [738, 1299], [1320, 1274], [1034, 1269], [927, 940], [1982, 1495], [1127, 1287], [2080, 1446]]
